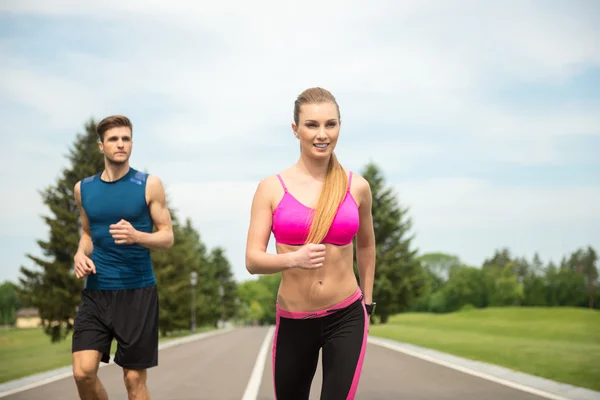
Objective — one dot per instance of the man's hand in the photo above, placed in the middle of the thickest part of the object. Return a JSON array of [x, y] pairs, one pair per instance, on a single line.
[[83, 265], [124, 233]]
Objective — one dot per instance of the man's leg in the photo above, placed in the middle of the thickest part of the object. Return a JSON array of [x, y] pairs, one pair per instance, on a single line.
[[85, 372], [135, 382], [90, 344], [136, 330]]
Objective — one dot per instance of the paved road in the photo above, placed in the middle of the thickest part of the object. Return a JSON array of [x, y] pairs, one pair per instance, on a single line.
[[219, 368]]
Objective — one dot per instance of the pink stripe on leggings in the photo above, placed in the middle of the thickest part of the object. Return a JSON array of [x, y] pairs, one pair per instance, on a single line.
[[320, 313], [274, 350], [363, 348]]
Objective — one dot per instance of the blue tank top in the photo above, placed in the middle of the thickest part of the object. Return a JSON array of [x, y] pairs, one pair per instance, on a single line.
[[118, 266]]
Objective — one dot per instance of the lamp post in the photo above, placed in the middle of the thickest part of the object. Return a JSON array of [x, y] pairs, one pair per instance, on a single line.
[[221, 293], [193, 281]]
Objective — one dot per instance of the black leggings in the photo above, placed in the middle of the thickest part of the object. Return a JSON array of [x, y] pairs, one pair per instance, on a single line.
[[341, 333]]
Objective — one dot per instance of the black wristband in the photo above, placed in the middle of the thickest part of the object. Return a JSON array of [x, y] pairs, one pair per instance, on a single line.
[[370, 308]]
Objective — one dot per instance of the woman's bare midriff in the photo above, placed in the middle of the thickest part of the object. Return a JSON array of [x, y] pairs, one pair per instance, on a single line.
[[317, 289]]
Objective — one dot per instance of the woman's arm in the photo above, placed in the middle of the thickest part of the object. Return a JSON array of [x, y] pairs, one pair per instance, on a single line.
[[365, 241], [258, 261]]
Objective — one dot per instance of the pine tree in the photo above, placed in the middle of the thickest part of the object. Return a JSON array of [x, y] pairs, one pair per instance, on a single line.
[[225, 286], [583, 261], [53, 288], [172, 269], [399, 276], [534, 289]]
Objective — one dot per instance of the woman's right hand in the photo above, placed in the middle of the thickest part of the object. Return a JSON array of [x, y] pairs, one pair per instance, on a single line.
[[310, 256]]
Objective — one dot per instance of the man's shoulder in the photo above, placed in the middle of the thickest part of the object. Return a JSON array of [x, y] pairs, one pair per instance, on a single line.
[[89, 179], [138, 177]]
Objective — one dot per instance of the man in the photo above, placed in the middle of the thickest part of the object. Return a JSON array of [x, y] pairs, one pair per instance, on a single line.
[[118, 208]]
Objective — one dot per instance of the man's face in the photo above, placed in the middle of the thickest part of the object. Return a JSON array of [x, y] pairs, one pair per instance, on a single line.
[[117, 145]]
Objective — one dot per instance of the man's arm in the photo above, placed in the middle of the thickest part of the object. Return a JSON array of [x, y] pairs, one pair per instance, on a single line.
[[83, 264], [365, 242], [124, 233], [163, 238], [85, 241]]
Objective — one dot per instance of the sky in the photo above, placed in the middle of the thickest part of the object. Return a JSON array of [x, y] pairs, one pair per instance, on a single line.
[[484, 117]]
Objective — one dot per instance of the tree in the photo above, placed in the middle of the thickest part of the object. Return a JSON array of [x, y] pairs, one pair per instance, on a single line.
[[565, 287], [258, 298], [9, 303], [440, 265], [53, 289], [437, 268], [224, 284], [465, 287], [503, 287], [591, 274], [399, 277], [502, 258], [537, 266], [499, 259], [250, 310], [583, 261], [172, 269]]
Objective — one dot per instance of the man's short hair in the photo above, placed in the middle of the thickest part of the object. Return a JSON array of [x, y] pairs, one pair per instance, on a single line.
[[113, 121]]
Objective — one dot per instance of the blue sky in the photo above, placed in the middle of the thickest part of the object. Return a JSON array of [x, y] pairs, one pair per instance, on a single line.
[[486, 121]]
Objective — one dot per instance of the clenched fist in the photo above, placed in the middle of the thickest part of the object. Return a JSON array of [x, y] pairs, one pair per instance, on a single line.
[[83, 265], [123, 232], [310, 256]]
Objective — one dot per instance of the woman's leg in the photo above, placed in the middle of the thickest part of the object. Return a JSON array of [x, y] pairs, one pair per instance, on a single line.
[[295, 355], [345, 334]]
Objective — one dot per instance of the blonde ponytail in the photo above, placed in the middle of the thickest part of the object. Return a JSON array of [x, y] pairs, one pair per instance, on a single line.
[[332, 194]]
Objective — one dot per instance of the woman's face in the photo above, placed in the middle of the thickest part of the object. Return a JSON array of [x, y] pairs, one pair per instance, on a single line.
[[318, 129]]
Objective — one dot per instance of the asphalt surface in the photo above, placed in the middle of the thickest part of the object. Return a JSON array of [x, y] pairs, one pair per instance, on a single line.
[[219, 368]]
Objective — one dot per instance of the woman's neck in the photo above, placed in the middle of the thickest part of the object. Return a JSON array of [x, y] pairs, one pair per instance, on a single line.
[[315, 168]]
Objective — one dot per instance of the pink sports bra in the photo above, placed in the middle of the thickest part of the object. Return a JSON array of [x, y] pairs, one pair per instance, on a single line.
[[291, 220]]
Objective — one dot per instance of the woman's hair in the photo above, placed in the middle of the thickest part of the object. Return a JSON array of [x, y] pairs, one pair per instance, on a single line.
[[336, 183]]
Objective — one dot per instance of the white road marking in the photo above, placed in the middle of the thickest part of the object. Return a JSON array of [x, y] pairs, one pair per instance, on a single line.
[[251, 392], [468, 371]]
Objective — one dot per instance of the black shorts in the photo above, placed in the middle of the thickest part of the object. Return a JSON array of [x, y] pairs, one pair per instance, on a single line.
[[130, 316], [340, 333]]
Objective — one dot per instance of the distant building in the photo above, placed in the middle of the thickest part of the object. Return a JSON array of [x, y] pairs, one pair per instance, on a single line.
[[28, 318]]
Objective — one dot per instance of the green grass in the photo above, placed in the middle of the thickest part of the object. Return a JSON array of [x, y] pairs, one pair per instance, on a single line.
[[25, 352], [562, 344]]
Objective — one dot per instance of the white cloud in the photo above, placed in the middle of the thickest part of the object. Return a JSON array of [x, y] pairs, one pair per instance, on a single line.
[[220, 211], [421, 56], [22, 211], [33, 89], [465, 203], [472, 218]]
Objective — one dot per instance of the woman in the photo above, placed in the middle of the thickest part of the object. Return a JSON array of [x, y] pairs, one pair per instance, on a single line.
[[315, 208]]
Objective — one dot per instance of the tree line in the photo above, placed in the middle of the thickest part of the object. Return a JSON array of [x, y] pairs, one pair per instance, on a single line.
[[404, 280], [506, 280]]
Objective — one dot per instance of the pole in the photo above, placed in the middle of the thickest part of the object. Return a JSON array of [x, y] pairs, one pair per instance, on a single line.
[[193, 281], [221, 293]]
